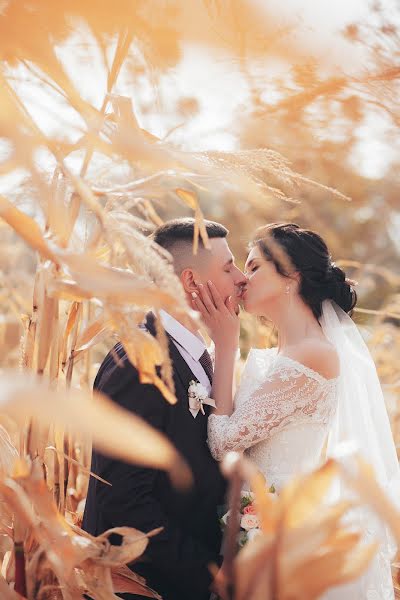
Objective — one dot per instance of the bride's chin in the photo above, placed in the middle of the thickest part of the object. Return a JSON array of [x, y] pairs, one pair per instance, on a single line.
[[247, 306], [251, 309]]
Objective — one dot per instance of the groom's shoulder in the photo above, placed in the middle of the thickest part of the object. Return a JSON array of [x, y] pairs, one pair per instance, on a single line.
[[117, 371], [119, 379], [115, 367]]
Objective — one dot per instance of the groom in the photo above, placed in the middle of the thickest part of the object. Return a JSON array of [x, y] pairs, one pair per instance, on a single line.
[[176, 561]]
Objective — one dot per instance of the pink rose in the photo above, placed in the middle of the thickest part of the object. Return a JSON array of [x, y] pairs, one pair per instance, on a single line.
[[249, 522], [249, 510]]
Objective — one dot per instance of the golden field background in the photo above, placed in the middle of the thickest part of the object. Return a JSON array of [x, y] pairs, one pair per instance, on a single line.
[[78, 202]]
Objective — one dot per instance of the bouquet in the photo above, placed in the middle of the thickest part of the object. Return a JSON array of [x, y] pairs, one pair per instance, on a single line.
[[249, 523]]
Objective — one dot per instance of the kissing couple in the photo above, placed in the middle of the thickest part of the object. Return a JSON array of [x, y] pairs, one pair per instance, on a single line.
[[294, 403]]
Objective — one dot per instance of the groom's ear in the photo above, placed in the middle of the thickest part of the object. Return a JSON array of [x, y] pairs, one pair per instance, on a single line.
[[189, 279]]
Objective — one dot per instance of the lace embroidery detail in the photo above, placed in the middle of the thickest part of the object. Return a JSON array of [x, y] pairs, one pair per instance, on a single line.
[[285, 393]]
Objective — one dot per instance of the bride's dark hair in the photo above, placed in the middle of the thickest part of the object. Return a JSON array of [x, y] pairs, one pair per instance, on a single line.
[[292, 248]]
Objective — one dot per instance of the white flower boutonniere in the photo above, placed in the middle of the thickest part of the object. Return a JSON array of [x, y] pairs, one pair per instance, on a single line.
[[197, 395]]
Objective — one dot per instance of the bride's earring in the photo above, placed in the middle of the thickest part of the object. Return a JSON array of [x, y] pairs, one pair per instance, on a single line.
[[287, 289]]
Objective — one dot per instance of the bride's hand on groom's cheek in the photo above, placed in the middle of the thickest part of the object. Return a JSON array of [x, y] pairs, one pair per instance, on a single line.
[[220, 317]]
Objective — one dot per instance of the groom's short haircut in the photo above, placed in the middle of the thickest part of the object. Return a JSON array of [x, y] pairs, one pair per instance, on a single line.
[[176, 236]]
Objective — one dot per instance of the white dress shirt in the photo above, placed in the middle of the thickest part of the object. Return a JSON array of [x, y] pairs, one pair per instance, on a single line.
[[190, 346]]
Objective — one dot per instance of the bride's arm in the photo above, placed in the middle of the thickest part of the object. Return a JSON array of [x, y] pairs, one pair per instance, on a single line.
[[275, 404], [222, 387]]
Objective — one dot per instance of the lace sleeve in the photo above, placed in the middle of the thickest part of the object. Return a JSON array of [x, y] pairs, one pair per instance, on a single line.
[[288, 394]]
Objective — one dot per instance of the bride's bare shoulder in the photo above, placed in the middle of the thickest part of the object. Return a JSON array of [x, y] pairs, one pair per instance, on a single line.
[[318, 355]]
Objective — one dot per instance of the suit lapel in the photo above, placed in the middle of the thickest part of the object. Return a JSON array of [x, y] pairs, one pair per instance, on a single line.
[[182, 371]]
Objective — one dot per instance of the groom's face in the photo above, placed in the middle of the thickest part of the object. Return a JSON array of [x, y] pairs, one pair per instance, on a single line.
[[218, 265]]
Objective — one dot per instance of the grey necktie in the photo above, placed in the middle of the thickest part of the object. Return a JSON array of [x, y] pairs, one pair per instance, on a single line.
[[206, 363]]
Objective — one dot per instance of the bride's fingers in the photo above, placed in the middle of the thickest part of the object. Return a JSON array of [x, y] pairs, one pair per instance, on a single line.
[[231, 306], [206, 298], [199, 305], [216, 296]]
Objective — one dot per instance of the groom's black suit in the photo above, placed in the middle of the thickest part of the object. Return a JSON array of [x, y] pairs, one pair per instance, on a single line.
[[176, 561]]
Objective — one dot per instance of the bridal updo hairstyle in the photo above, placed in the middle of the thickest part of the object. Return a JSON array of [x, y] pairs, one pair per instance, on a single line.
[[307, 254]]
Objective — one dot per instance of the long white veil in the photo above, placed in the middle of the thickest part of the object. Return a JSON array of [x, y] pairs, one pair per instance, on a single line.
[[361, 413]]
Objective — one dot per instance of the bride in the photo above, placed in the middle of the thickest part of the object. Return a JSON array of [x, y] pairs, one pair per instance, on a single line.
[[318, 387]]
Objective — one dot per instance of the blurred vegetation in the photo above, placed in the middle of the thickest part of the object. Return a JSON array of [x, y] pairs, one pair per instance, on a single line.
[[98, 146]]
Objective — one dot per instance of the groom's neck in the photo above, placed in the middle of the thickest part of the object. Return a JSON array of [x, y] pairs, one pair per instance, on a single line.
[[193, 329]]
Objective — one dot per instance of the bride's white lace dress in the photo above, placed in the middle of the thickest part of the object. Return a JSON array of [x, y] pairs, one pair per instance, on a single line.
[[282, 416]]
